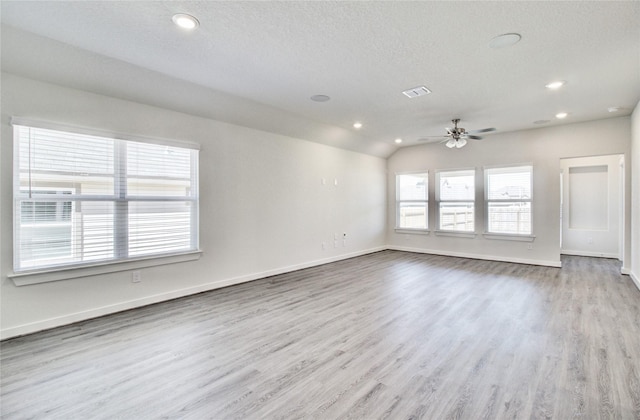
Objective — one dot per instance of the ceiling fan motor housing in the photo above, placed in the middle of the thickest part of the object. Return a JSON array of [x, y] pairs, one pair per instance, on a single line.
[[455, 131]]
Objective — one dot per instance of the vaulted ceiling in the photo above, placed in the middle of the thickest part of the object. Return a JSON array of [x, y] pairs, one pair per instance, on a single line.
[[258, 63]]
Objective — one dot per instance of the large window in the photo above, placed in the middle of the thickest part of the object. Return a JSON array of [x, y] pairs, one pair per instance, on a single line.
[[412, 193], [456, 200], [82, 199], [509, 195]]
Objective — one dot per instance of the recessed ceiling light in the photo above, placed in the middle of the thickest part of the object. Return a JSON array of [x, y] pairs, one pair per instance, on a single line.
[[561, 115], [398, 141], [614, 108], [320, 98], [555, 85], [505, 40], [357, 125], [185, 21]]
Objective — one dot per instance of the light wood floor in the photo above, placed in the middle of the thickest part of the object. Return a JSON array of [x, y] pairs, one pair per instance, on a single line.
[[388, 335]]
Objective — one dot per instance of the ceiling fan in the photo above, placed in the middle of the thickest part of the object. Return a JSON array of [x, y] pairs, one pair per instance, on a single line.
[[457, 136]]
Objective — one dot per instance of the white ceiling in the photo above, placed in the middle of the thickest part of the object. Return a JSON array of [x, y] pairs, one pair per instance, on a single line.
[[258, 63]]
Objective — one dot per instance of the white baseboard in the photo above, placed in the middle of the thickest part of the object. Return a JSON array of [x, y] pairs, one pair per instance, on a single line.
[[589, 254], [148, 300], [635, 278], [478, 256], [161, 297]]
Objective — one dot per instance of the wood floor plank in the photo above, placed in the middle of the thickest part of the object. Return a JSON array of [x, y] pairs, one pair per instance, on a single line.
[[390, 335]]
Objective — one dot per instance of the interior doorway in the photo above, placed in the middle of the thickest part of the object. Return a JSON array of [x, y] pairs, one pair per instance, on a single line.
[[592, 206]]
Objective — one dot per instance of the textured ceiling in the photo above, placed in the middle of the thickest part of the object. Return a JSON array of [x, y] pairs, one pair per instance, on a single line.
[[260, 62]]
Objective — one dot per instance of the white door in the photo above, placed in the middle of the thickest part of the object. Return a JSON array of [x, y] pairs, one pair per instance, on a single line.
[[591, 206]]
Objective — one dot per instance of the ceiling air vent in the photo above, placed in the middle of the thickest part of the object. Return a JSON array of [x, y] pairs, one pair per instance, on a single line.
[[417, 91]]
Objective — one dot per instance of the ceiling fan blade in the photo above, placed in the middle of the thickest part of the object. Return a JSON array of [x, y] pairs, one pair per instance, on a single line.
[[482, 130], [473, 137]]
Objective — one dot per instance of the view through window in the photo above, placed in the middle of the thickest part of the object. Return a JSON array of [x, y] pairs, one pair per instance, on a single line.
[[412, 193], [82, 199], [509, 197], [456, 200]]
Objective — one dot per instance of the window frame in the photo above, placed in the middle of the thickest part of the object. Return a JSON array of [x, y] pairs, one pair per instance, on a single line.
[[400, 201], [439, 202], [56, 271], [508, 235]]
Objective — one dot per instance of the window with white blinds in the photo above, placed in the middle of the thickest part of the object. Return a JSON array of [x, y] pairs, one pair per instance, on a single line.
[[509, 197], [83, 199], [412, 194], [456, 200]]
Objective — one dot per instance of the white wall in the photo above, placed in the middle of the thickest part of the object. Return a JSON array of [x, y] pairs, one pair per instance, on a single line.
[[635, 196], [543, 148], [263, 209]]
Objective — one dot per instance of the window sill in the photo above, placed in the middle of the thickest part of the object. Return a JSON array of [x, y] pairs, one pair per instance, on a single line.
[[470, 235], [412, 231], [509, 237], [44, 276]]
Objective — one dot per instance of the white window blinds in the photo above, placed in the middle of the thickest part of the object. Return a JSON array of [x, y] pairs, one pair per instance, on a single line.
[[82, 199], [412, 193], [509, 198]]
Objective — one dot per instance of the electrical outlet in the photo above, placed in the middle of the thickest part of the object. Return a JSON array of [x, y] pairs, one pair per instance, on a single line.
[[136, 277], [529, 247], [324, 245]]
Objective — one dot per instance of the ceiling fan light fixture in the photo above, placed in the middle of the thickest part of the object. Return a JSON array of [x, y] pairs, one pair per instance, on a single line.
[[561, 115], [459, 137]]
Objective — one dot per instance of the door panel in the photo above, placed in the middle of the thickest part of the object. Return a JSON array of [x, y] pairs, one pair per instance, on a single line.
[[591, 206]]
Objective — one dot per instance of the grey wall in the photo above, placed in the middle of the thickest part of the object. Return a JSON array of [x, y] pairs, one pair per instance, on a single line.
[[263, 208], [543, 148]]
